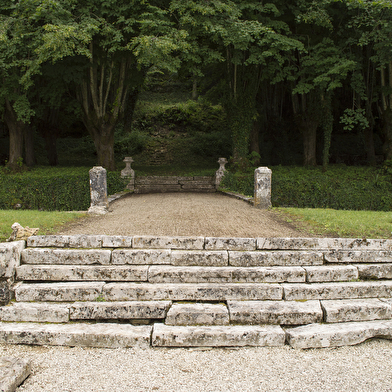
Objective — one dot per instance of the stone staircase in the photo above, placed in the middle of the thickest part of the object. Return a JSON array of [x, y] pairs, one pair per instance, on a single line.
[[164, 184], [113, 291]]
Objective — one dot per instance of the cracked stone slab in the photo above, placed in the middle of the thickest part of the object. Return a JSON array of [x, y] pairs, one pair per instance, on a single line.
[[103, 335], [190, 291], [200, 258], [329, 273], [275, 312], [277, 258], [338, 334], [119, 310], [337, 311], [136, 273], [337, 290], [268, 274], [358, 256], [13, 371], [65, 241], [66, 256], [221, 243], [197, 314], [116, 241], [35, 312], [217, 336], [168, 242], [10, 257], [374, 271], [141, 256], [61, 292]]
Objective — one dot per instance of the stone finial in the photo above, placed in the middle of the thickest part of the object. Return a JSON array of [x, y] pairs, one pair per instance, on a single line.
[[128, 172], [220, 172], [262, 189], [21, 233], [98, 191]]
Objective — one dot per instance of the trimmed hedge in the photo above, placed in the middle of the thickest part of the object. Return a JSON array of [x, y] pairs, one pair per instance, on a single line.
[[52, 189], [340, 188]]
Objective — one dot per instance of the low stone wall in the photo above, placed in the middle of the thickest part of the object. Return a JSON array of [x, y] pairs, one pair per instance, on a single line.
[[158, 184]]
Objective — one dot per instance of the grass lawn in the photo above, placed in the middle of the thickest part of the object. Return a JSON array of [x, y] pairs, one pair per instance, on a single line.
[[328, 222], [47, 221]]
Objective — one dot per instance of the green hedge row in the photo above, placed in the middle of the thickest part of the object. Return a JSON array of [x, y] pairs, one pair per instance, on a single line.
[[49, 189], [341, 187]]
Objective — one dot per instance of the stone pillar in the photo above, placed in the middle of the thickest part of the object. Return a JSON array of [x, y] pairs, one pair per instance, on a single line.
[[262, 195], [128, 172], [220, 172], [98, 191]]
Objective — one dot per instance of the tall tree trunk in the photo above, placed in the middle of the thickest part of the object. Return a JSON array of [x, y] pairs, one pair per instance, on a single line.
[[308, 129], [130, 109], [254, 141], [15, 128], [29, 146], [51, 147]]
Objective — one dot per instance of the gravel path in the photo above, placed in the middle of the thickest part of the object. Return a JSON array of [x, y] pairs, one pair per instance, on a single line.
[[367, 367], [184, 214]]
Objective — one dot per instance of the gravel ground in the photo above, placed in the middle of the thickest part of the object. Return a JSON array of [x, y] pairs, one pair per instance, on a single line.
[[366, 367], [185, 214]]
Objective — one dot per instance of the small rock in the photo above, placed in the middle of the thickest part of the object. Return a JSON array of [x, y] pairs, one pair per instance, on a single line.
[[21, 233]]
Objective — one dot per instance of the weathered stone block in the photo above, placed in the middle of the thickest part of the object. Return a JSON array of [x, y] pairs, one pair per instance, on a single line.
[[339, 311], [275, 312], [190, 291], [339, 334], [58, 292], [158, 188], [116, 241], [358, 256], [220, 243], [5, 292], [13, 371], [169, 274], [35, 312], [335, 273], [217, 336], [262, 187], [197, 314], [338, 290], [141, 256], [168, 242], [154, 180], [82, 335], [77, 273], [268, 274], [66, 256], [119, 310], [278, 258], [10, 258], [374, 271], [288, 243], [199, 258]]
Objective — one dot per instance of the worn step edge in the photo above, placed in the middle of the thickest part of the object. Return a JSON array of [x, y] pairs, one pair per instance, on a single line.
[[339, 334], [217, 336], [13, 371], [75, 334]]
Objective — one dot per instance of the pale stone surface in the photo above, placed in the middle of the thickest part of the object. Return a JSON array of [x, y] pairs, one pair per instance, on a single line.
[[220, 243], [128, 173], [61, 292], [116, 241], [197, 314], [268, 274], [339, 334], [136, 273], [358, 256], [374, 271], [190, 291], [287, 243], [82, 335], [66, 256], [199, 258], [35, 312], [13, 371], [20, 233], [98, 191], [278, 258], [219, 174], [329, 273], [262, 187], [338, 290], [119, 310], [217, 336], [275, 312], [65, 241], [10, 258], [141, 256], [355, 310], [168, 242]]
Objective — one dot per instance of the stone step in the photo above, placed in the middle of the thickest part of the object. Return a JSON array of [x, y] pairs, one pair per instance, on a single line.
[[35, 312], [337, 311], [99, 335], [374, 271], [217, 336], [275, 312], [338, 334]]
